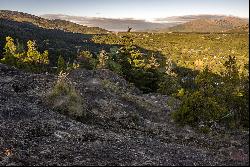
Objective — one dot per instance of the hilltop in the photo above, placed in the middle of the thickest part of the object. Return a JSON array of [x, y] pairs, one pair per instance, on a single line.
[[60, 37], [129, 98], [50, 24], [210, 25]]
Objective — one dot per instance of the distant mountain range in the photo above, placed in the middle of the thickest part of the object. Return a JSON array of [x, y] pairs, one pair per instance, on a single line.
[[94, 25], [188, 23], [188, 18], [112, 24]]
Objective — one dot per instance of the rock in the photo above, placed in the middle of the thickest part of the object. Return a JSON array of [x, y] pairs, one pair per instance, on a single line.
[[238, 155], [122, 127], [61, 135]]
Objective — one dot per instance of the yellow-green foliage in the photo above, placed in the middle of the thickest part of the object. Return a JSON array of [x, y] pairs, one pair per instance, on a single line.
[[152, 63], [235, 93], [86, 60], [103, 58], [9, 52], [136, 59], [189, 50], [206, 71], [33, 56], [30, 60], [64, 97], [217, 99], [112, 62], [133, 66], [10, 46], [181, 92]]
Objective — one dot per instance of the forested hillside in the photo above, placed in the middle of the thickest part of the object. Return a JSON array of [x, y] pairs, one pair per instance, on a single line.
[[184, 94], [50, 24], [58, 42]]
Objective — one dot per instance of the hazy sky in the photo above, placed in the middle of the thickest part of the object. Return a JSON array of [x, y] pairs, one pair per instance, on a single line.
[[139, 9]]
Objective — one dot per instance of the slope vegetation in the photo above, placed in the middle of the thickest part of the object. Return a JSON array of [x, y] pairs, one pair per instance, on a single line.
[[121, 126]]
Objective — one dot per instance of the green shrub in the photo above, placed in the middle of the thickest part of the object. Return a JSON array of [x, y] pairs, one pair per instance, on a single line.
[[235, 91], [199, 109], [132, 64], [113, 66], [217, 99], [61, 65], [145, 80], [87, 60], [64, 97], [30, 60], [169, 85]]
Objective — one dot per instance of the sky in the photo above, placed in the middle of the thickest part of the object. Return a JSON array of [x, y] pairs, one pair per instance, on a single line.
[[137, 9]]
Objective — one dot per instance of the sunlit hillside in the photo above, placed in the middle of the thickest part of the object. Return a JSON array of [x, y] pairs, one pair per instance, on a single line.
[[157, 84]]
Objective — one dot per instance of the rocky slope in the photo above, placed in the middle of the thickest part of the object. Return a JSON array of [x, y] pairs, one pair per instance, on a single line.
[[243, 28], [122, 126]]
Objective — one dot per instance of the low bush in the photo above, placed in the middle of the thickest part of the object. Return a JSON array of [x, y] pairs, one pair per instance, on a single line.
[[198, 109], [222, 99], [64, 97], [87, 60]]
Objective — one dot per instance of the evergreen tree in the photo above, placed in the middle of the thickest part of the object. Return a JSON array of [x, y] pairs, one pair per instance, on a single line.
[[9, 52], [33, 56], [34, 59], [61, 65]]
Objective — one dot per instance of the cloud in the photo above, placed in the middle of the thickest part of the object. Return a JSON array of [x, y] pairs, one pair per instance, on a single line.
[[114, 24], [111, 23]]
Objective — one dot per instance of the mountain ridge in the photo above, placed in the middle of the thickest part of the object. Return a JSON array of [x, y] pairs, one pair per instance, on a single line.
[[224, 24], [49, 24], [99, 25], [112, 24]]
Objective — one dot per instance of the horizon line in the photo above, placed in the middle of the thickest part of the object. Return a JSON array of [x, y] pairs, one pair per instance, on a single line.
[[130, 18]]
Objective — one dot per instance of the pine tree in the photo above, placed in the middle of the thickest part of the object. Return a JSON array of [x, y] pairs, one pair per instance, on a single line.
[[9, 52], [34, 59], [10, 47]]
